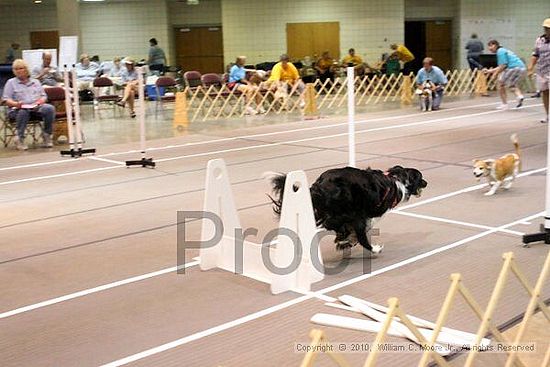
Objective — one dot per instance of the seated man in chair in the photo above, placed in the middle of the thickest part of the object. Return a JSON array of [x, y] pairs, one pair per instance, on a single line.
[[283, 75], [26, 98]]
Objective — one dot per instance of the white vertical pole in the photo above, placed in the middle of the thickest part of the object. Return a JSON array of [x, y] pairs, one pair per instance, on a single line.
[[78, 127], [547, 216], [141, 110], [69, 107], [351, 115]]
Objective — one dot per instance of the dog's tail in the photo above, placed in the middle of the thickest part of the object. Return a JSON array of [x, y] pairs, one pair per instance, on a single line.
[[515, 141], [277, 181]]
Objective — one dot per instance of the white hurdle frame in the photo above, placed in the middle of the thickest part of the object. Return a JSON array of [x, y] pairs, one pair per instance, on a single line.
[[351, 115], [144, 161], [72, 107], [544, 234], [296, 215]]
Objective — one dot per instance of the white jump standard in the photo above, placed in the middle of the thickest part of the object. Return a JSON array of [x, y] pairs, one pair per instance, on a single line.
[[144, 161], [287, 264], [72, 108]]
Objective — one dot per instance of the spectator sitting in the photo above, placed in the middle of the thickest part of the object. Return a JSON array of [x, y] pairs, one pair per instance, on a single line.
[[325, 67], [26, 98], [86, 72], [129, 78], [475, 48], [351, 59], [116, 69], [237, 79], [46, 73], [284, 74], [434, 74]]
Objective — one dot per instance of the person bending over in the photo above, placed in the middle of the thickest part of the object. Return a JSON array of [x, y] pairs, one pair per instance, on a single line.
[[26, 98], [510, 71], [434, 74]]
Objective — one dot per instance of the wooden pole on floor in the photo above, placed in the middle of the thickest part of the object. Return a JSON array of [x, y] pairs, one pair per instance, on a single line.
[[181, 118], [310, 110], [406, 90]]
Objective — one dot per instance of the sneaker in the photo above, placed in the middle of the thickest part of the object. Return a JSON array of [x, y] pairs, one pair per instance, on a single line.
[[132, 114], [261, 110], [47, 143], [302, 104], [520, 101], [20, 143], [250, 111], [502, 106], [544, 121]]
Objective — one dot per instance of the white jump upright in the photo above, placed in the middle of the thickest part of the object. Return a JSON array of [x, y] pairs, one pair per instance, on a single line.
[[144, 161], [544, 234], [233, 254], [351, 115], [72, 109]]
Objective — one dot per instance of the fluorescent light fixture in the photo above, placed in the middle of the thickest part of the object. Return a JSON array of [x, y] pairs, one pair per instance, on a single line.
[[192, 2], [91, 1], [38, 1]]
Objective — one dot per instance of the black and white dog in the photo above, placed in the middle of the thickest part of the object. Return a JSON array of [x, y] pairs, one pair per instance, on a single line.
[[345, 200], [426, 93]]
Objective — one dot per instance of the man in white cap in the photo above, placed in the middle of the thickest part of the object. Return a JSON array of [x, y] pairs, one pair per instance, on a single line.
[[541, 58]]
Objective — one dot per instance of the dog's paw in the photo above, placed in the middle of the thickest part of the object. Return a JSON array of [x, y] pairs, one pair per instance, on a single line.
[[376, 249]]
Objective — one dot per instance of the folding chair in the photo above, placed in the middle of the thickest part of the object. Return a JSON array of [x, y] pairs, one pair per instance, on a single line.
[[8, 127], [164, 82], [110, 97]]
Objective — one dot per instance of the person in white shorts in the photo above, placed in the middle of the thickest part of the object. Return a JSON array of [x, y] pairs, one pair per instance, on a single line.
[[541, 58], [510, 71]]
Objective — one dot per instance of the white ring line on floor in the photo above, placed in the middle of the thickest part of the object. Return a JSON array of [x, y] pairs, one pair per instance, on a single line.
[[196, 261], [457, 222], [341, 124], [462, 191], [267, 145], [317, 294], [100, 288], [107, 160], [38, 178]]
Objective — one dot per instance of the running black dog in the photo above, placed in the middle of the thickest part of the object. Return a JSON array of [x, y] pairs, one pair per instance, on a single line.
[[345, 200]]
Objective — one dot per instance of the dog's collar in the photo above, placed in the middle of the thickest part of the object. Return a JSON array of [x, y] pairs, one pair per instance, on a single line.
[[387, 193]]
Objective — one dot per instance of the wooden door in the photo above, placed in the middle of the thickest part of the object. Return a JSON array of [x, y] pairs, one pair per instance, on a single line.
[[309, 39], [44, 39], [439, 43], [200, 49]]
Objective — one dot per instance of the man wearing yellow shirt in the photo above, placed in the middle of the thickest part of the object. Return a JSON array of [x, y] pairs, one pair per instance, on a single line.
[[284, 72], [404, 55], [351, 59]]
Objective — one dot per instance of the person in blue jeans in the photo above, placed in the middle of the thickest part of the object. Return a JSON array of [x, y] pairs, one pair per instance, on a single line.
[[510, 72], [26, 98], [434, 74]]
